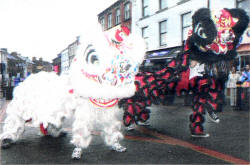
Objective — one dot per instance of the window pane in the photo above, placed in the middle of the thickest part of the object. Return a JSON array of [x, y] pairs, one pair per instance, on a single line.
[[187, 19], [146, 42], [186, 24], [117, 18], [163, 4], [109, 20], [145, 32], [144, 3], [102, 23], [145, 10], [127, 11], [185, 32], [163, 26], [145, 36], [163, 39]]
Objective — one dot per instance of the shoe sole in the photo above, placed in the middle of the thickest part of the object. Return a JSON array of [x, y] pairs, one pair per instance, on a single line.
[[200, 136]]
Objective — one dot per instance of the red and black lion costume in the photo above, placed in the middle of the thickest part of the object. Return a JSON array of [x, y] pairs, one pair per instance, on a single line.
[[211, 45]]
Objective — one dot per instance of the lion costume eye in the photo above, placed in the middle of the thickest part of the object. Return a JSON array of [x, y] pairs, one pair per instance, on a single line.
[[199, 30], [91, 55]]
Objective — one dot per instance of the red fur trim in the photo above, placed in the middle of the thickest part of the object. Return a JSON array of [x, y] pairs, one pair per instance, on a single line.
[[172, 64], [184, 62], [213, 85], [214, 95], [214, 105], [138, 109], [130, 109], [161, 71], [43, 130], [201, 100], [198, 129], [128, 120], [140, 80], [201, 109]]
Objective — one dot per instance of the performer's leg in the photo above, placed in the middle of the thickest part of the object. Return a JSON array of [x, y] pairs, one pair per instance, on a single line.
[[234, 96], [197, 119], [81, 135], [12, 130], [111, 130], [231, 96]]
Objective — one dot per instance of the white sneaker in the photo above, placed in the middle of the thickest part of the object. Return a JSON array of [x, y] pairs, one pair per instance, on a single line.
[[77, 153], [118, 148]]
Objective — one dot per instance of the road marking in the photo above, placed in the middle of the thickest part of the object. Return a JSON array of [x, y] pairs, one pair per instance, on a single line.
[[163, 139], [173, 141]]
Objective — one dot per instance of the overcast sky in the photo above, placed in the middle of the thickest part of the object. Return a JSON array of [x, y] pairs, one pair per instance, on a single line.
[[42, 28]]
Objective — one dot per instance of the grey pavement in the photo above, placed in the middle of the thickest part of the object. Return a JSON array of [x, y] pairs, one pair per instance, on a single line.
[[166, 141]]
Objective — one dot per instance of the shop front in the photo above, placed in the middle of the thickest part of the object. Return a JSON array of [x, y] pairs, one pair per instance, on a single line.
[[243, 50], [157, 59]]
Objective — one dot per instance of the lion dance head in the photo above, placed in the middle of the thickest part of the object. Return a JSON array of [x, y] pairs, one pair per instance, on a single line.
[[105, 65], [215, 36]]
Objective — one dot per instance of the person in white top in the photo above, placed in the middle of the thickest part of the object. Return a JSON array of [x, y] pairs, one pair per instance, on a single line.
[[231, 84]]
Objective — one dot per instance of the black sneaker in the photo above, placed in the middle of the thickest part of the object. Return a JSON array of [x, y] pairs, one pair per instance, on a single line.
[[6, 143], [213, 117], [200, 135]]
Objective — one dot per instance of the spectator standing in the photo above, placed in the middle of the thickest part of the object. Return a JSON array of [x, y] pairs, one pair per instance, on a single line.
[[245, 77], [243, 90], [231, 85]]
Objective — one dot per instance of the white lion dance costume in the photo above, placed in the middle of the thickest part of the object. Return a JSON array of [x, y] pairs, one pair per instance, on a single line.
[[102, 73]]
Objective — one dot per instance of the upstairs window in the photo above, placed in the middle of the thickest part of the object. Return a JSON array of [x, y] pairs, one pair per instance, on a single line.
[[109, 20], [127, 11], [163, 33], [163, 4], [145, 8], [186, 25], [117, 16], [102, 22], [145, 35]]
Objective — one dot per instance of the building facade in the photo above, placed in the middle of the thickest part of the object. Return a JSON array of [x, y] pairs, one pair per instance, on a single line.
[[56, 62], [117, 15], [41, 65], [65, 62], [164, 24], [16, 65], [72, 48]]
